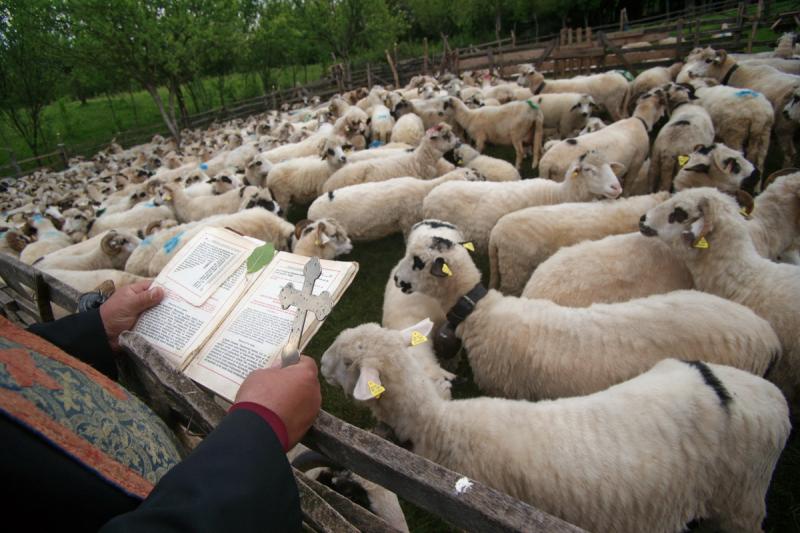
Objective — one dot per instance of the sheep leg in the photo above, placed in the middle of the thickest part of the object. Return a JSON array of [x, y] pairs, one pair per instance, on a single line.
[[784, 131], [667, 172], [480, 143], [519, 148]]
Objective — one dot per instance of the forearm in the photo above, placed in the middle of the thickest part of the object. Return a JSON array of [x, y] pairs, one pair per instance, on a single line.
[[83, 336], [238, 479]]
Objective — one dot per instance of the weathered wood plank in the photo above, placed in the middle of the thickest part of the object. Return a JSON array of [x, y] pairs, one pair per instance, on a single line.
[[425, 483], [318, 512]]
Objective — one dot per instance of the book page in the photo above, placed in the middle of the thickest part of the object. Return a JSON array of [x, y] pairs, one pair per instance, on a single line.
[[256, 330], [177, 327]]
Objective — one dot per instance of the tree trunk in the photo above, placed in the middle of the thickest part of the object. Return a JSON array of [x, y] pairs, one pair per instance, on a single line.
[[176, 90], [193, 97], [169, 117], [133, 106], [113, 113]]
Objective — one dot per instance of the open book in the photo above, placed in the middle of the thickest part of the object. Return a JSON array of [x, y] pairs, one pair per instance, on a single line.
[[217, 322]]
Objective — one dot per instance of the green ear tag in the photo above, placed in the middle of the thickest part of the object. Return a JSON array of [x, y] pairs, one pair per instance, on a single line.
[[260, 257], [532, 105]]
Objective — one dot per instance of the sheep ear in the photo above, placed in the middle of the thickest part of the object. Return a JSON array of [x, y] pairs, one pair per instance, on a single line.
[[368, 386], [695, 236], [300, 226], [322, 237], [421, 330], [440, 269], [109, 244], [617, 168], [572, 170], [722, 55], [745, 201]]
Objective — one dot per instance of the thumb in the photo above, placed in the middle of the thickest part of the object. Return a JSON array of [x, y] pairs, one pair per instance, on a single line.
[[147, 299]]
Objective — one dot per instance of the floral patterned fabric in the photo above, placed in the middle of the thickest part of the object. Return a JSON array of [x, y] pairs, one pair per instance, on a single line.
[[82, 412]]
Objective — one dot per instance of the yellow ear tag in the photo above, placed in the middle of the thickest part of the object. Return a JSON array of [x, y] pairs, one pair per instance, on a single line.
[[682, 160], [701, 243], [446, 269], [460, 162], [469, 246], [417, 338], [375, 389], [744, 212], [317, 243]]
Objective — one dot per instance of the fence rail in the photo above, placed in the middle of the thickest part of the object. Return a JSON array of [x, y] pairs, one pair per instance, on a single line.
[[570, 51]]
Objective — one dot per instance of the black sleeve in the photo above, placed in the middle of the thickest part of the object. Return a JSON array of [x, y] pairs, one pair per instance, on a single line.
[[83, 336], [237, 479]]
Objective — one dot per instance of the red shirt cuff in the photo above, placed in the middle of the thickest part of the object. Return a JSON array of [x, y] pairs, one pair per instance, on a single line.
[[269, 417]]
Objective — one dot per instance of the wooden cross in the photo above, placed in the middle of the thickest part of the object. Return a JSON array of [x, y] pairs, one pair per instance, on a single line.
[[304, 301]]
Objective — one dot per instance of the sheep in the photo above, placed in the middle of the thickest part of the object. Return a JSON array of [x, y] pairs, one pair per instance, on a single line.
[[419, 163], [717, 433], [652, 78], [307, 147], [88, 281], [108, 251], [689, 125], [610, 90], [626, 141], [300, 180], [192, 209], [155, 252], [535, 349], [593, 124], [408, 129], [704, 229], [719, 166], [778, 87], [566, 113], [491, 168], [139, 217], [257, 170], [325, 238], [381, 123], [620, 267], [742, 118], [522, 240], [371, 211], [48, 239], [512, 124], [476, 207], [432, 112]]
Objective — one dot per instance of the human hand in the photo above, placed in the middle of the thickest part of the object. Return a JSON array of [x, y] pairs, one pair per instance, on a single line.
[[120, 312], [292, 393]]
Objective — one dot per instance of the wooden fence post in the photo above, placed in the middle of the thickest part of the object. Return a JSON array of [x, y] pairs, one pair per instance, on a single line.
[[369, 76], [679, 40], [752, 36], [513, 39], [394, 70], [425, 57], [62, 151], [17, 169]]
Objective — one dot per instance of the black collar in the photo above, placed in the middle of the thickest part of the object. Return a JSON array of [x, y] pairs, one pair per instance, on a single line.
[[646, 127], [539, 88], [680, 104], [727, 77], [465, 305]]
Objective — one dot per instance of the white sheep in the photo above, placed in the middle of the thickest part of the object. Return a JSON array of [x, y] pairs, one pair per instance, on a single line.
[[522, 240], [109, 250], [742, 118], [189, 209], [491, 168], [48, 239], [621, 267], [778, 87], [476, 207], [626, 141], [512, 124], [565, 113], [381, 123], [652, 78], [689, 125], [306, 147], [137, 218], [717, 433], [408, 129], [371, 211], [298, 181], [88, 281], [535, 349], [610, 90], [419, 163], [705, 230]]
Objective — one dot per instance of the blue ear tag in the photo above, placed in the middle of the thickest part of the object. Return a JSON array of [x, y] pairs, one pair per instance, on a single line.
[[37, 217], [173, 242], [146, 241], [375, 144], [203, 166]]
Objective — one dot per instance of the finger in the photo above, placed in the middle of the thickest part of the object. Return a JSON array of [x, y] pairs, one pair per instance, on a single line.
[[146, 299], [140, 286], [308, 362]]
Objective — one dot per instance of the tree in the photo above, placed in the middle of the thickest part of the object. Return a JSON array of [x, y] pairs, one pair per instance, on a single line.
[[30, 71]]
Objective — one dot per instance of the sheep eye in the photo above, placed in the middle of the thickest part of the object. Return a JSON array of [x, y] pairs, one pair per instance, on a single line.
[[330, 151], [708, 61], [419, 264], [678, 215]]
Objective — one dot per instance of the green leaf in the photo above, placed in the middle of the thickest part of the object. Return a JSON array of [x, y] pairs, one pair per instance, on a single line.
[[260, 257]]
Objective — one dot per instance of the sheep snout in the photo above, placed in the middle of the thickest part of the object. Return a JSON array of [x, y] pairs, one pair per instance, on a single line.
[[646, 230]]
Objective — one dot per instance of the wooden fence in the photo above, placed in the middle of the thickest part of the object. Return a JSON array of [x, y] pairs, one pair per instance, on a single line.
[[570, 52], [28, 295]]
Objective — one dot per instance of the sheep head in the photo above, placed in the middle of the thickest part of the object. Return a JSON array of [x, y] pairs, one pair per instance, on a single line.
[[438, 267], [792, 109], [441, 138], [596, 174], [464, 153], [717, 166], [584, 107], [708, 63], [331, 149], [592, 124], [651, 107], [119, 246], [257, 170], [689, 221], [17, 241], [262, 198], [325, 238], [678, 93]]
